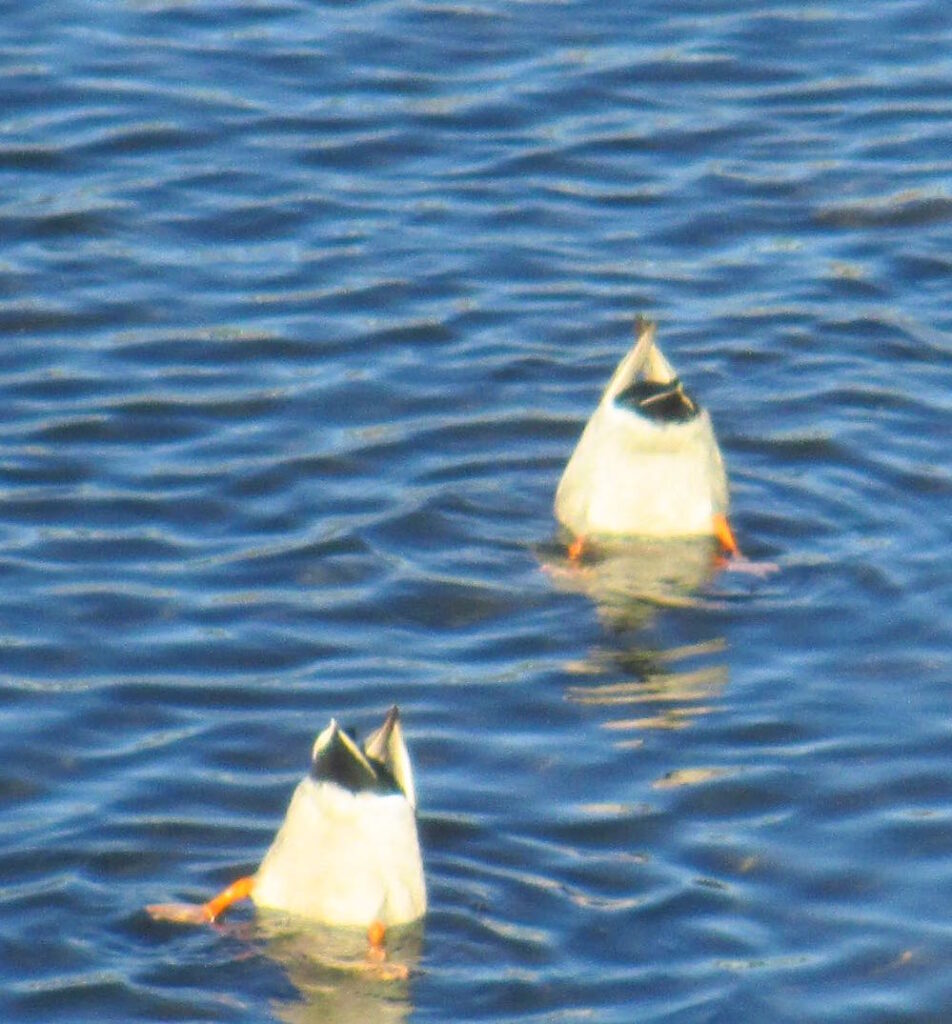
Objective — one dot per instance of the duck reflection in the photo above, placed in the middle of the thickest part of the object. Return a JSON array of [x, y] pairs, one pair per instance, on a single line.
[[660, 695], [336, 981], [628, 581]]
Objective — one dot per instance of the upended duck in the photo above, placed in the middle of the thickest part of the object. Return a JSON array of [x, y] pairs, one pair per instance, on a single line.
[[347, 852], [647, 463]]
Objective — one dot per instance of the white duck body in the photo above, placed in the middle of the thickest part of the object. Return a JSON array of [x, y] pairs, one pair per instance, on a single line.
[[348, 852], [647, 463]]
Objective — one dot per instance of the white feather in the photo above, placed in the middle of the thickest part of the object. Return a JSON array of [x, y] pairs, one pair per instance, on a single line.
[[344, 858], [633, 475]]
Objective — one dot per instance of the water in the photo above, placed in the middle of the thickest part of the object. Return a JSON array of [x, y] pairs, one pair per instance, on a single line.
[[304, 306]]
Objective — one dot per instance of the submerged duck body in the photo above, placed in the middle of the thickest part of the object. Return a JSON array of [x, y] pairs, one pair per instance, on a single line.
[[647, 463]]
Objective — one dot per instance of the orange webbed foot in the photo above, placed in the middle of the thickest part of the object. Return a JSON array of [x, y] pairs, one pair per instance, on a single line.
[[179, 913], [203, 913], [725, 535], [377, 962], [377, 934], [732, 558]]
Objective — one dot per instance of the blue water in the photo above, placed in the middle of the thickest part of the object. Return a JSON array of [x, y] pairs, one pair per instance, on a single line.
[[303, 306]]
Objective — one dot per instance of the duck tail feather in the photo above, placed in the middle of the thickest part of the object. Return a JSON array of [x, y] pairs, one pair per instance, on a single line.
[[644, 359]]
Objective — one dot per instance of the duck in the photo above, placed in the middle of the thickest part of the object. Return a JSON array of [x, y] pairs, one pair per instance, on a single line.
[[347, 853], [647, 463]]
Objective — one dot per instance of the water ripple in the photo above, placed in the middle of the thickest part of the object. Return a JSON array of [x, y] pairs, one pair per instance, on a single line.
[[305, 309]]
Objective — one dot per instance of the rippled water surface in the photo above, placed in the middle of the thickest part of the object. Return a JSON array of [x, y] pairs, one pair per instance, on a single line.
[[303, 307]]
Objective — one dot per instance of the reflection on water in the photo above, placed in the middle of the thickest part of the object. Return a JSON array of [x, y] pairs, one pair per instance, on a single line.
[[336, 979], [660, 696], [630, 580], [694, 777]]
